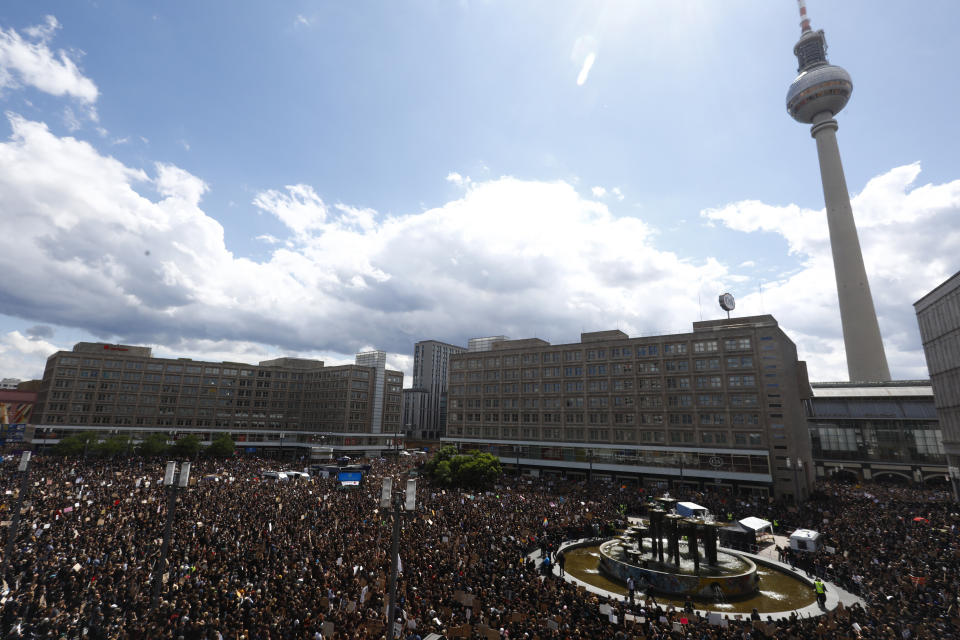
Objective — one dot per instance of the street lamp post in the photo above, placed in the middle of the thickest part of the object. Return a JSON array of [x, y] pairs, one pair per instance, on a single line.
[[282, 436], [24, 469], [797, 468], [954, 474], [173, 482], [408, 504]]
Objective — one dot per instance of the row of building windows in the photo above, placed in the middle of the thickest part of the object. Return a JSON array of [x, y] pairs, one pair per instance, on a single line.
[[640, 351], [723, 438]]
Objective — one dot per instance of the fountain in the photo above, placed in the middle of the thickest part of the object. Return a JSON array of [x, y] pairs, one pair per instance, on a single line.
[[673, 564]]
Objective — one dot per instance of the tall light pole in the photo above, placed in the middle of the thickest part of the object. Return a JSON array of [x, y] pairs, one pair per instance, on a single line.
[[954, 475], [797, 468], [282, 436], [408, 504], [173, 482], [24, 469]]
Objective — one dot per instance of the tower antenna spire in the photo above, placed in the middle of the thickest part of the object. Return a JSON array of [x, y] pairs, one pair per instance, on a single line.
[[804, 18]]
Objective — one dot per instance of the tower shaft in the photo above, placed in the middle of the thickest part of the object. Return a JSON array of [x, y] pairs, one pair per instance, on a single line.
[[866, 360]]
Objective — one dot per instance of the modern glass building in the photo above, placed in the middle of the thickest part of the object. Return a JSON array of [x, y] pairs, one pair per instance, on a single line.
[[876, 431]]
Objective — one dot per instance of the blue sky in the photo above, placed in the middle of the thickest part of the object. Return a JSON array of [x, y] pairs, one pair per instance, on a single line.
[[321, 177]]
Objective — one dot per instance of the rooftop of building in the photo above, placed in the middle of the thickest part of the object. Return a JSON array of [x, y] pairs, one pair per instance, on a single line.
[[889, 389], [441, 342], [614, 335], [942, 289]]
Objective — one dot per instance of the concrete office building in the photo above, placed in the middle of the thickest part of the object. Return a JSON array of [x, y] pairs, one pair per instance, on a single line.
[[938, 314], [484, 344], [414, 406], [431, 363], [291, 403], [815, 97], [885, 431], [721, 405]]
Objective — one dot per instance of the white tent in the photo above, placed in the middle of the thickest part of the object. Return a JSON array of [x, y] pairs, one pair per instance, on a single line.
[[691, 510], [757, 525]]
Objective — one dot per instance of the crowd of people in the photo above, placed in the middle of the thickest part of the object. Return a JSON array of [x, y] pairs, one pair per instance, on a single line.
[[253, 559]]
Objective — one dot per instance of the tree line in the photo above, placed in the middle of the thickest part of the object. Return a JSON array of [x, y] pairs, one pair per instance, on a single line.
[[154, 445]]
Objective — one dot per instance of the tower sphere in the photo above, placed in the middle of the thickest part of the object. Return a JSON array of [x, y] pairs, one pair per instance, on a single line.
[[825, 87]]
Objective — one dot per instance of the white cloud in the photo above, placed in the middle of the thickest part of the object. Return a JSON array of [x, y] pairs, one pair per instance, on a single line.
[[909, 238], [109, 260], [509, 256], [458, 179], [300, 208], [301, 21], [617, 194], [30, 61], [585, 69], [598, 192], [24, 356], [584, 54]]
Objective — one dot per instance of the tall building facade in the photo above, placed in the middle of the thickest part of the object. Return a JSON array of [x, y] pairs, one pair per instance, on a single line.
[[938, 314], [431, 374], [815, 97], [885, 431], [286, 402], [721, 405]]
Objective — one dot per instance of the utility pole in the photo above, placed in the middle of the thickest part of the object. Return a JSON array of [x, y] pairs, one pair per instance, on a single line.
[[408, 504], [173, 484]]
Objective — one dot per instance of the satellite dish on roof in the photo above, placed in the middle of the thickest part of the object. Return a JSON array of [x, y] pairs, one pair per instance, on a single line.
[[727, 303]]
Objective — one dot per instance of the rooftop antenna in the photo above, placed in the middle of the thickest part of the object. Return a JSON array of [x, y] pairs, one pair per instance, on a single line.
[[804, 18]]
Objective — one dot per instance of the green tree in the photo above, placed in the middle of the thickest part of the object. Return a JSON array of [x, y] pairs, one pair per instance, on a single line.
[[222, 446], [154, 445], [445, 454], [186, 447], [112, 446], [479, 470], [470, 470], [441, 473], [76, 444]]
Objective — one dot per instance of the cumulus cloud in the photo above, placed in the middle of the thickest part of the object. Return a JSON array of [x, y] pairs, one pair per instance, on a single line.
[[24, 356], [30, 61], [130, 255], [598, 192], [107, 258], [457, 179], [909, 238]]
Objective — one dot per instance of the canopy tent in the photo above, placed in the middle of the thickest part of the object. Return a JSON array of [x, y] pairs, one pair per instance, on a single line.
[[736, 536], [757, 525], [691, 510]]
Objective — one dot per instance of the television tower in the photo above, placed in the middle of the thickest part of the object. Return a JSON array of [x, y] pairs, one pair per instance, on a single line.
[[819, 93]]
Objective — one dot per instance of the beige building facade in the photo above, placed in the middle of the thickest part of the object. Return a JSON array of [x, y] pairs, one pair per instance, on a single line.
[[291, 403], [721, 405]]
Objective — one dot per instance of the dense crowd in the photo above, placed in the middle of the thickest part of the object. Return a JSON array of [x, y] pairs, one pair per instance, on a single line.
[[266, 560]]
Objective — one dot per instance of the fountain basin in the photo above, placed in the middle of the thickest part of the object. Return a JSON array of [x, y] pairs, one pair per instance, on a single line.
[[733, 576]]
